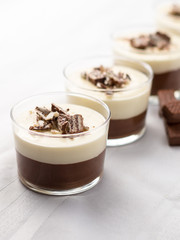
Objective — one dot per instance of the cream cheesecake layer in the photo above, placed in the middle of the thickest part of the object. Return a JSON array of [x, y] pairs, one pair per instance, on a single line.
[[167, 21], [57, 150], [123, 104], [161, 61]]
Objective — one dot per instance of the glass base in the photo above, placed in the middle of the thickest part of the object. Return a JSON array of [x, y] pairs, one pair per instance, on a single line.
[[60, 192], [125, 140], [153, 100], [177, 94]]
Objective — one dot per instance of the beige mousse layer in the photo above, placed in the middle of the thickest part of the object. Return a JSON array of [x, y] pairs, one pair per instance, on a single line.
[[167, 21], [161, 61], [124, 104], [52, 148]]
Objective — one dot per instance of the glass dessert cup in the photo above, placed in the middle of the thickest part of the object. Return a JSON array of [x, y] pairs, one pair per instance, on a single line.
[[128, 105], [61, 164], [166, 20], [165, 63]]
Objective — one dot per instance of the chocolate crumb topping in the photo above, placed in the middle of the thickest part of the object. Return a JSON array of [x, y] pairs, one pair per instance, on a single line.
[[175, 10], [158, 39], [58, 121], [105, 78], [45, 126]]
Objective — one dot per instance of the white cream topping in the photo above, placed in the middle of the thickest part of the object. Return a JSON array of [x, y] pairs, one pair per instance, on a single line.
[[57, 150], [123, 104], [167, 21], [160, 60]]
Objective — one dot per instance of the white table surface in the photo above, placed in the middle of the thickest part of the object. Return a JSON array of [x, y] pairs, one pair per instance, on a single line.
[[139, 195]]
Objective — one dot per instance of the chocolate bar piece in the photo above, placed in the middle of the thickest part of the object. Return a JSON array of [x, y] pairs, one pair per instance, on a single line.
[[170, 109], [76, 124], [56, 108], [171, 112], [173, 133], [106, 78], [57, 120], [165, 97], [157, 39]]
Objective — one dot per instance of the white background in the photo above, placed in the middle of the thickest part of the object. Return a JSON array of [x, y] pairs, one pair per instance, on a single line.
[[139, 196]]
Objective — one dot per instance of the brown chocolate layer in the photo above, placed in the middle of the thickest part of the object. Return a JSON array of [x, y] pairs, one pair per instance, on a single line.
[[60, 176], [171, 112], [123, 128], [173, 133], [168, 80]]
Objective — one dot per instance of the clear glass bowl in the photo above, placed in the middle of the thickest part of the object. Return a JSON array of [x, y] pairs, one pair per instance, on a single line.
[[60, 164], [165, 63], [164, 20], [128, 105]]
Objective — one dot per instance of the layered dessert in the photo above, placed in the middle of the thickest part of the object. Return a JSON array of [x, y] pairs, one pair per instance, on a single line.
[[159, 49], [124, 88], [60, 147], [168, 17]]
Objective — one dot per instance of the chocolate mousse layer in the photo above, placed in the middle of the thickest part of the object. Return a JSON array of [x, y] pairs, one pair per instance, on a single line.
[[168, 80], [126, 127], [60, 176]]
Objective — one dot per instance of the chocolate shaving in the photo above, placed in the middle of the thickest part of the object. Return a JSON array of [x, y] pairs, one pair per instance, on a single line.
[[175, 11], [158, 39], [105, 78], [57, 120], [43, 110], [55, 108], [42, 113], [50, 116], [140, 42]]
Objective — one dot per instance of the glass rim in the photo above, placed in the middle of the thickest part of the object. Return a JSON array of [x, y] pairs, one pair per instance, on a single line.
[[144, 65], [62, 135], [167, 4]]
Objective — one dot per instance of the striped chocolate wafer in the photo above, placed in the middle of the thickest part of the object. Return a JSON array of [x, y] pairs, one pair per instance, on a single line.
[[170, 109], [173, 133], [165, 97], [171, 112]]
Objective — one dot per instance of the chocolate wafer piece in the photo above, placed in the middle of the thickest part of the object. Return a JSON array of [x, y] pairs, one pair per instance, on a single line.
[[106, 78], [157, 39], [173, 133], [56, 108], [57, 120], [165, 97], [171, 112], [170, 108], [76, 124]]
